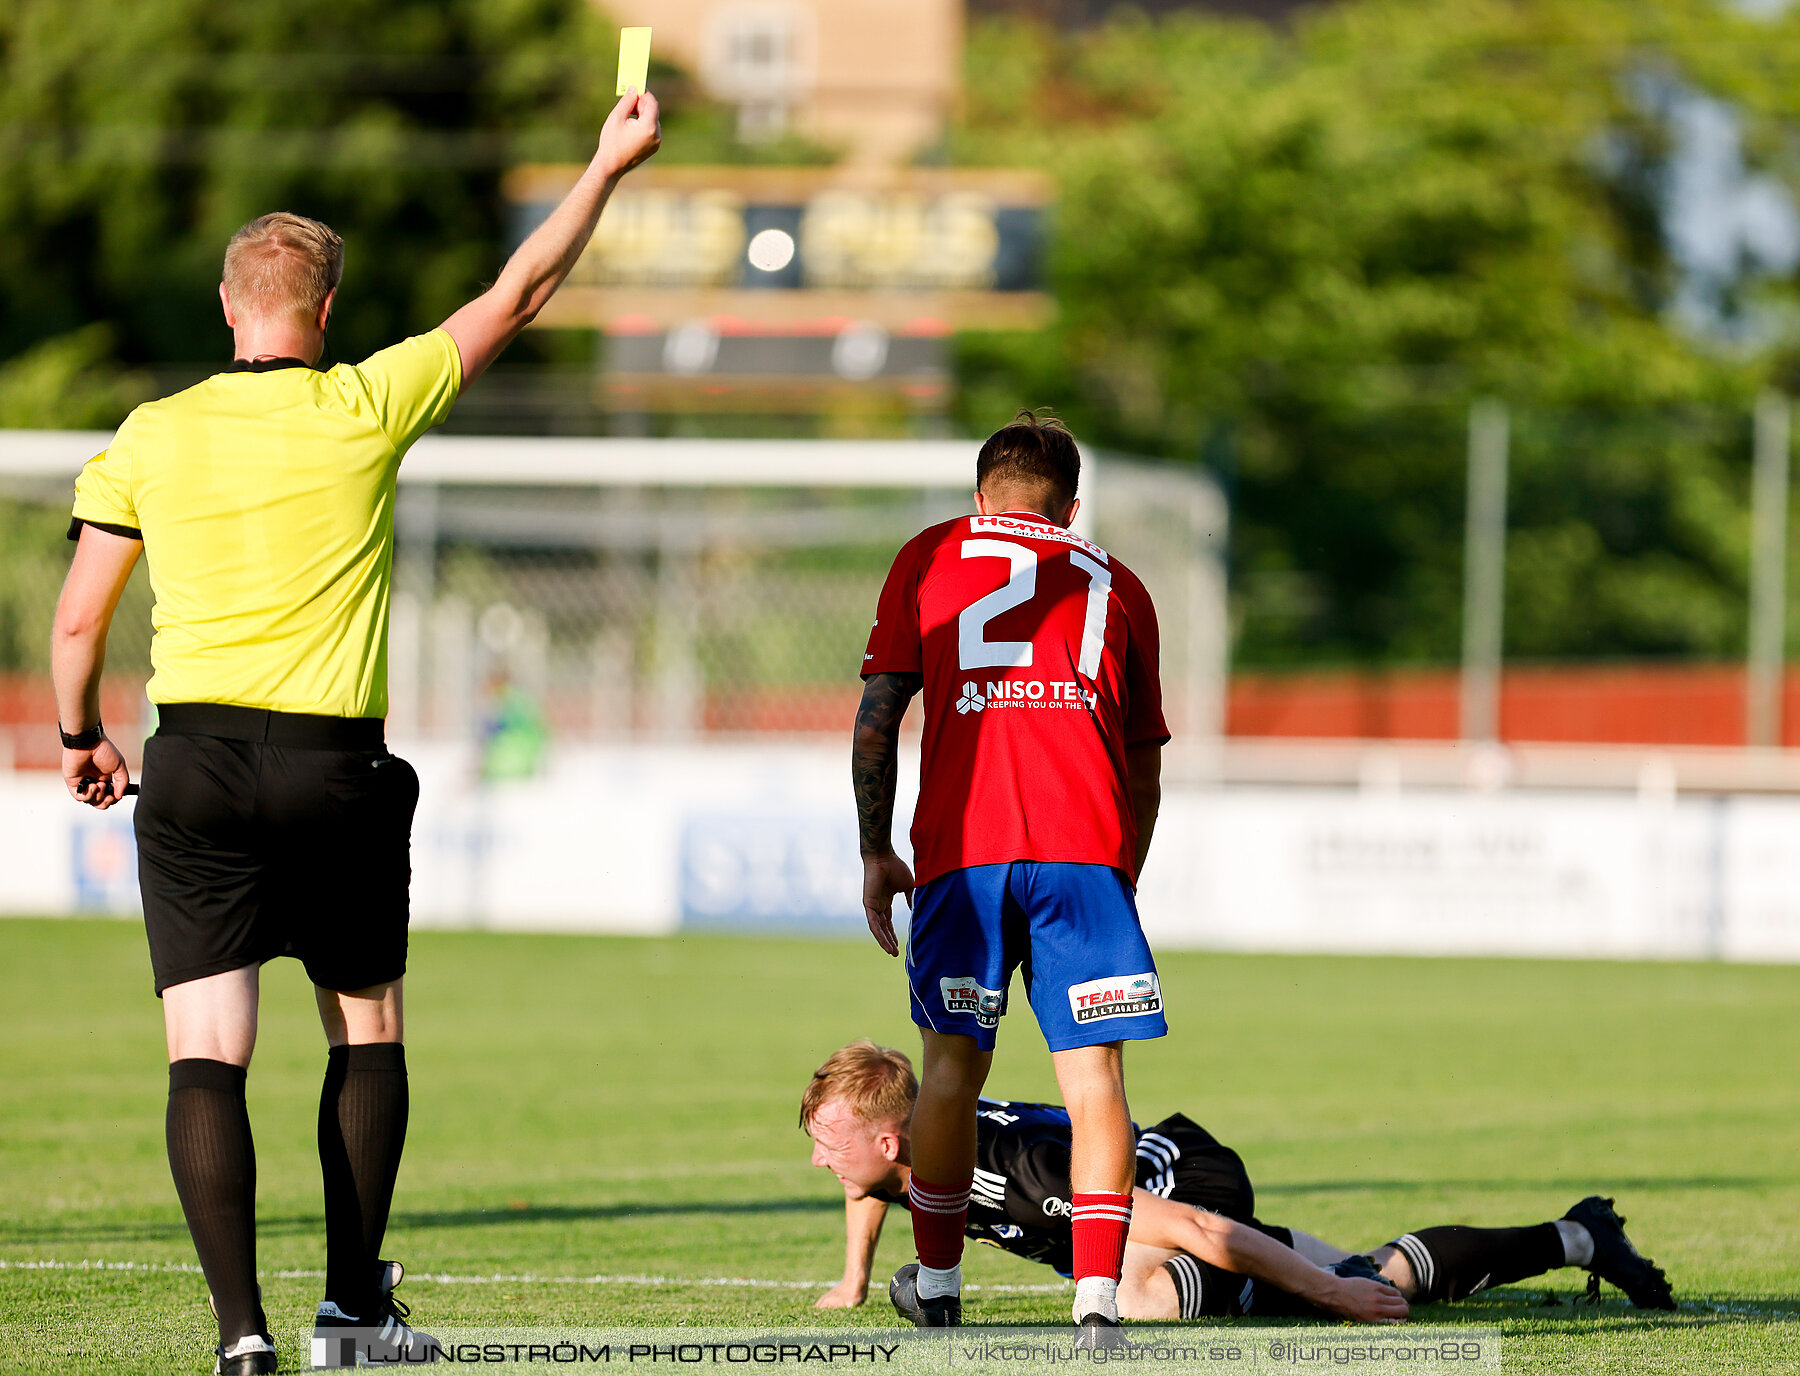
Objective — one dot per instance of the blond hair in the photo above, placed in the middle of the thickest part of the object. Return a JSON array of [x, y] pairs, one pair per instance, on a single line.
[[875, 1082], [282, 264]]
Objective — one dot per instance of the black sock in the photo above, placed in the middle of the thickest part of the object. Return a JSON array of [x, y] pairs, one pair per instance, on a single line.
[[1204, 1291], [362, 1128], [1452, 1263], [213, 1160]]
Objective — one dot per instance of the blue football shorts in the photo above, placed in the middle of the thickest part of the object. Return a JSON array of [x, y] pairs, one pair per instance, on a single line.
[[1072, 928]]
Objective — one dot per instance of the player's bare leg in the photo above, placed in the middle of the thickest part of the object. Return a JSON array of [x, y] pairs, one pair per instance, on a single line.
[[954, 1069], [211, 1028], [953, 1073], [363, 1112], [356, 1017], [1101, 1171], [1092, 1081], [1146, 1290], [1389, 1261]]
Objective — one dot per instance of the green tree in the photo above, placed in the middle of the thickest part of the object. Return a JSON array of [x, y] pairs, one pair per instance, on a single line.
[[1300, 255], [69, 381], [136, 135]]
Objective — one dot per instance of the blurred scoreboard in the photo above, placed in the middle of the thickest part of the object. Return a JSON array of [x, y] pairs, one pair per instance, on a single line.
[[778, 289]]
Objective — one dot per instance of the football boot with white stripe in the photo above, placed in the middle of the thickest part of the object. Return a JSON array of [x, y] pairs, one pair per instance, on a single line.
[[252, 1355], [381, 1337], [249, 1356], [945, 1311], [1616, 1260]]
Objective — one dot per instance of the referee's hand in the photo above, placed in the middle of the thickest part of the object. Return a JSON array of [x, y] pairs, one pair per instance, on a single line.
[[884, 876], [97, 777], [631, 133]]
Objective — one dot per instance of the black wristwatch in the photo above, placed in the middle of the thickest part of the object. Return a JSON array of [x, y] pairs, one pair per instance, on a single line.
[[82, 740]]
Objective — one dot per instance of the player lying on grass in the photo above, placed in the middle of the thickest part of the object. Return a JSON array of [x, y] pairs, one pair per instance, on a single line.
[[1196, 1247]]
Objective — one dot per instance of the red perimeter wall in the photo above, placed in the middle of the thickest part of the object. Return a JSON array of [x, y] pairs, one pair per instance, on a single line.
[[1625, 705]]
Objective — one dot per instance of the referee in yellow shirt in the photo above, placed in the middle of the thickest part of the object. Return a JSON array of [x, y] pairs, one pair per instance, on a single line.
[[272, 819]]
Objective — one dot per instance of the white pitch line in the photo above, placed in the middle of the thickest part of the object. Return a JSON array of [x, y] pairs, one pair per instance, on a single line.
[[725, 1282], [106, 1266], [519, 1278], [1739, 1307]]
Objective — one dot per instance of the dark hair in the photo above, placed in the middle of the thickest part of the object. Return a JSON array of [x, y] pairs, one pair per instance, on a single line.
[[1034, 448]]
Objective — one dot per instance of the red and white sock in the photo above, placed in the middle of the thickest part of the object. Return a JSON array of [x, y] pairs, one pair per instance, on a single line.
[[1101, 1221], [938, 1215]]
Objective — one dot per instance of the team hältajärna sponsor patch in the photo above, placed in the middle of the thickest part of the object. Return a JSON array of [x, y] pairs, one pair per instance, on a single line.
[[965, 995], [1121, 996]]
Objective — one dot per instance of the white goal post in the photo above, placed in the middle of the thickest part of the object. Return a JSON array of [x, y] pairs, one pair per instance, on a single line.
[[671, 588]]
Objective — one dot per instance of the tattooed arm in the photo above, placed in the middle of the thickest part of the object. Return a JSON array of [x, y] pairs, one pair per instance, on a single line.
[[874, 769]]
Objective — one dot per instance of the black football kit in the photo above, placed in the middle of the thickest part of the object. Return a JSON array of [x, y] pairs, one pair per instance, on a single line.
[[1020, 1202]]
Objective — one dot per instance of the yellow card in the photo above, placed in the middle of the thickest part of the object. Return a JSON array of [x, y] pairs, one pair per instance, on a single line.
[[634, 60]]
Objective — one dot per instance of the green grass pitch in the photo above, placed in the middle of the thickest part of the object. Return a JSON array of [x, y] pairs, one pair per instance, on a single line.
[[590, 1107]]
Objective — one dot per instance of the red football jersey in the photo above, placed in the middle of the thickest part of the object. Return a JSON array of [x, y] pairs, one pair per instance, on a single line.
[[1039, 655]]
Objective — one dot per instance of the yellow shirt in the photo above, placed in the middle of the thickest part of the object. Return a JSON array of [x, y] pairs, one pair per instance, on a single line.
[[265, 501]]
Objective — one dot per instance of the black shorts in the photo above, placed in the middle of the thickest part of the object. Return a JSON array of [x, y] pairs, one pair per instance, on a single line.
[[264, 834], [1180, 1160]]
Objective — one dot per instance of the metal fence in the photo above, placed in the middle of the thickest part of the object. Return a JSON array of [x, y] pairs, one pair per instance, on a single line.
[[604, 589], [630, 608]]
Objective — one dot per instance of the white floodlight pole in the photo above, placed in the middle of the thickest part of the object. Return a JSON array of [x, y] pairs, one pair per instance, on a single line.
[[1484, 572], [1209, 637], [1768, 572]]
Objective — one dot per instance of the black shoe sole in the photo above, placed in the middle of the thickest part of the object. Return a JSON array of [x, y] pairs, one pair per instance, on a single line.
[[248, 1363], [1096, 1332]]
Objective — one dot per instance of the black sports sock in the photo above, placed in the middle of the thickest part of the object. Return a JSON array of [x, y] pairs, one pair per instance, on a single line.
[[1452, 1263], [213, 1160], [362, 1128], [1203, 1290]]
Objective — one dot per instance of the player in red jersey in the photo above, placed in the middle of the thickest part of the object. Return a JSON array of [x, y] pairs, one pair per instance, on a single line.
[[1036, 653]]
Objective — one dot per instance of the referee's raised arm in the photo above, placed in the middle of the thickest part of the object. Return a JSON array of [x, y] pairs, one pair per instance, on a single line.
[[272, 819], [537, 268]]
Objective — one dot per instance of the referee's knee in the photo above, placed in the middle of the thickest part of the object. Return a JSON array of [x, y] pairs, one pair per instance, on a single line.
[[361, 1016]]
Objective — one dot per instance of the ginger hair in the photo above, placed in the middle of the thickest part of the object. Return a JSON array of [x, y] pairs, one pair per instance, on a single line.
[[876, 1082]]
